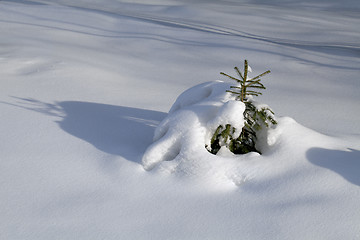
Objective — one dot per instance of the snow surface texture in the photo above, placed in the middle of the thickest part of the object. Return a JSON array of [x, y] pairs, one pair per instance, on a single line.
[[85, 83]]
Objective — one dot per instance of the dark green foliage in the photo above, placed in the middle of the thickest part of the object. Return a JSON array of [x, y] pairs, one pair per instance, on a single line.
[[224, 136], [255, 117]]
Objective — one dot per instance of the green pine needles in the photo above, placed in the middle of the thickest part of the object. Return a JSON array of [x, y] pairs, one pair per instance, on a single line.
[[256, 116], [246, 84]]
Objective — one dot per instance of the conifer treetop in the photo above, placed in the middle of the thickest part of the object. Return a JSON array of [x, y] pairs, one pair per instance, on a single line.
[[254, 83]]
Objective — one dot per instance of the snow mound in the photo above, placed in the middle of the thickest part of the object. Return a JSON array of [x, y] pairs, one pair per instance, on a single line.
[[180, 139]]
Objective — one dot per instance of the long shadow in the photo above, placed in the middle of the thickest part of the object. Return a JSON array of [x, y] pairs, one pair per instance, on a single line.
[[344, 163], [338, 49], [116, 130], [112, 129], [24, 2]]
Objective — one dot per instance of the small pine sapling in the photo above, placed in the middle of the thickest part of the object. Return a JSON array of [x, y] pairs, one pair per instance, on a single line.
[[256, 116]]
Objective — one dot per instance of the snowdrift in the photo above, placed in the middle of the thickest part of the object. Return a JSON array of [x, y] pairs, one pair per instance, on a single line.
[[180, 139], [85, 83]]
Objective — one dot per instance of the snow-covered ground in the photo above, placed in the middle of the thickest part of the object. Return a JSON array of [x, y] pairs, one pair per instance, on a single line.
[[85, 83]]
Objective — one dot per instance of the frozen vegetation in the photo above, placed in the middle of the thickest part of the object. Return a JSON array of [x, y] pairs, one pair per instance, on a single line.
[[107, 105]]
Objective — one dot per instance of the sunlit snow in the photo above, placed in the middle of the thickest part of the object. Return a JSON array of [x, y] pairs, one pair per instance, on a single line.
[[86, 85]]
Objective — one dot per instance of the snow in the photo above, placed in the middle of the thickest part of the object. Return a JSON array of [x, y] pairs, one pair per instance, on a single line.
[[85, 84], [180, 139]]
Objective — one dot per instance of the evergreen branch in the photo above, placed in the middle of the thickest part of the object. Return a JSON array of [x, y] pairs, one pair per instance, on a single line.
[[239, 73], [249, 123], [273, 121], [267, 109], [254, 94], [220, 127], [232, 92], [249, 106], [250, 131], [255, 82], [238, 80], [259, 76], [248, 92], [260, 87]]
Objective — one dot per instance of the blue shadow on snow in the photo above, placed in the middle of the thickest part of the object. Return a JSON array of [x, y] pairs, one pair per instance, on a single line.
[[116, 130], [344, 163]]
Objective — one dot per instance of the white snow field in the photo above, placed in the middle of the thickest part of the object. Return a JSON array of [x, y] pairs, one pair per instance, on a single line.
[[85, 83]]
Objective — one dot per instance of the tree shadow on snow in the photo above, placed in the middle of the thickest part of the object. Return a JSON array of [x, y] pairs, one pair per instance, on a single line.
[[24, 2], [112, 129], [345, 163], [116, 130]]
